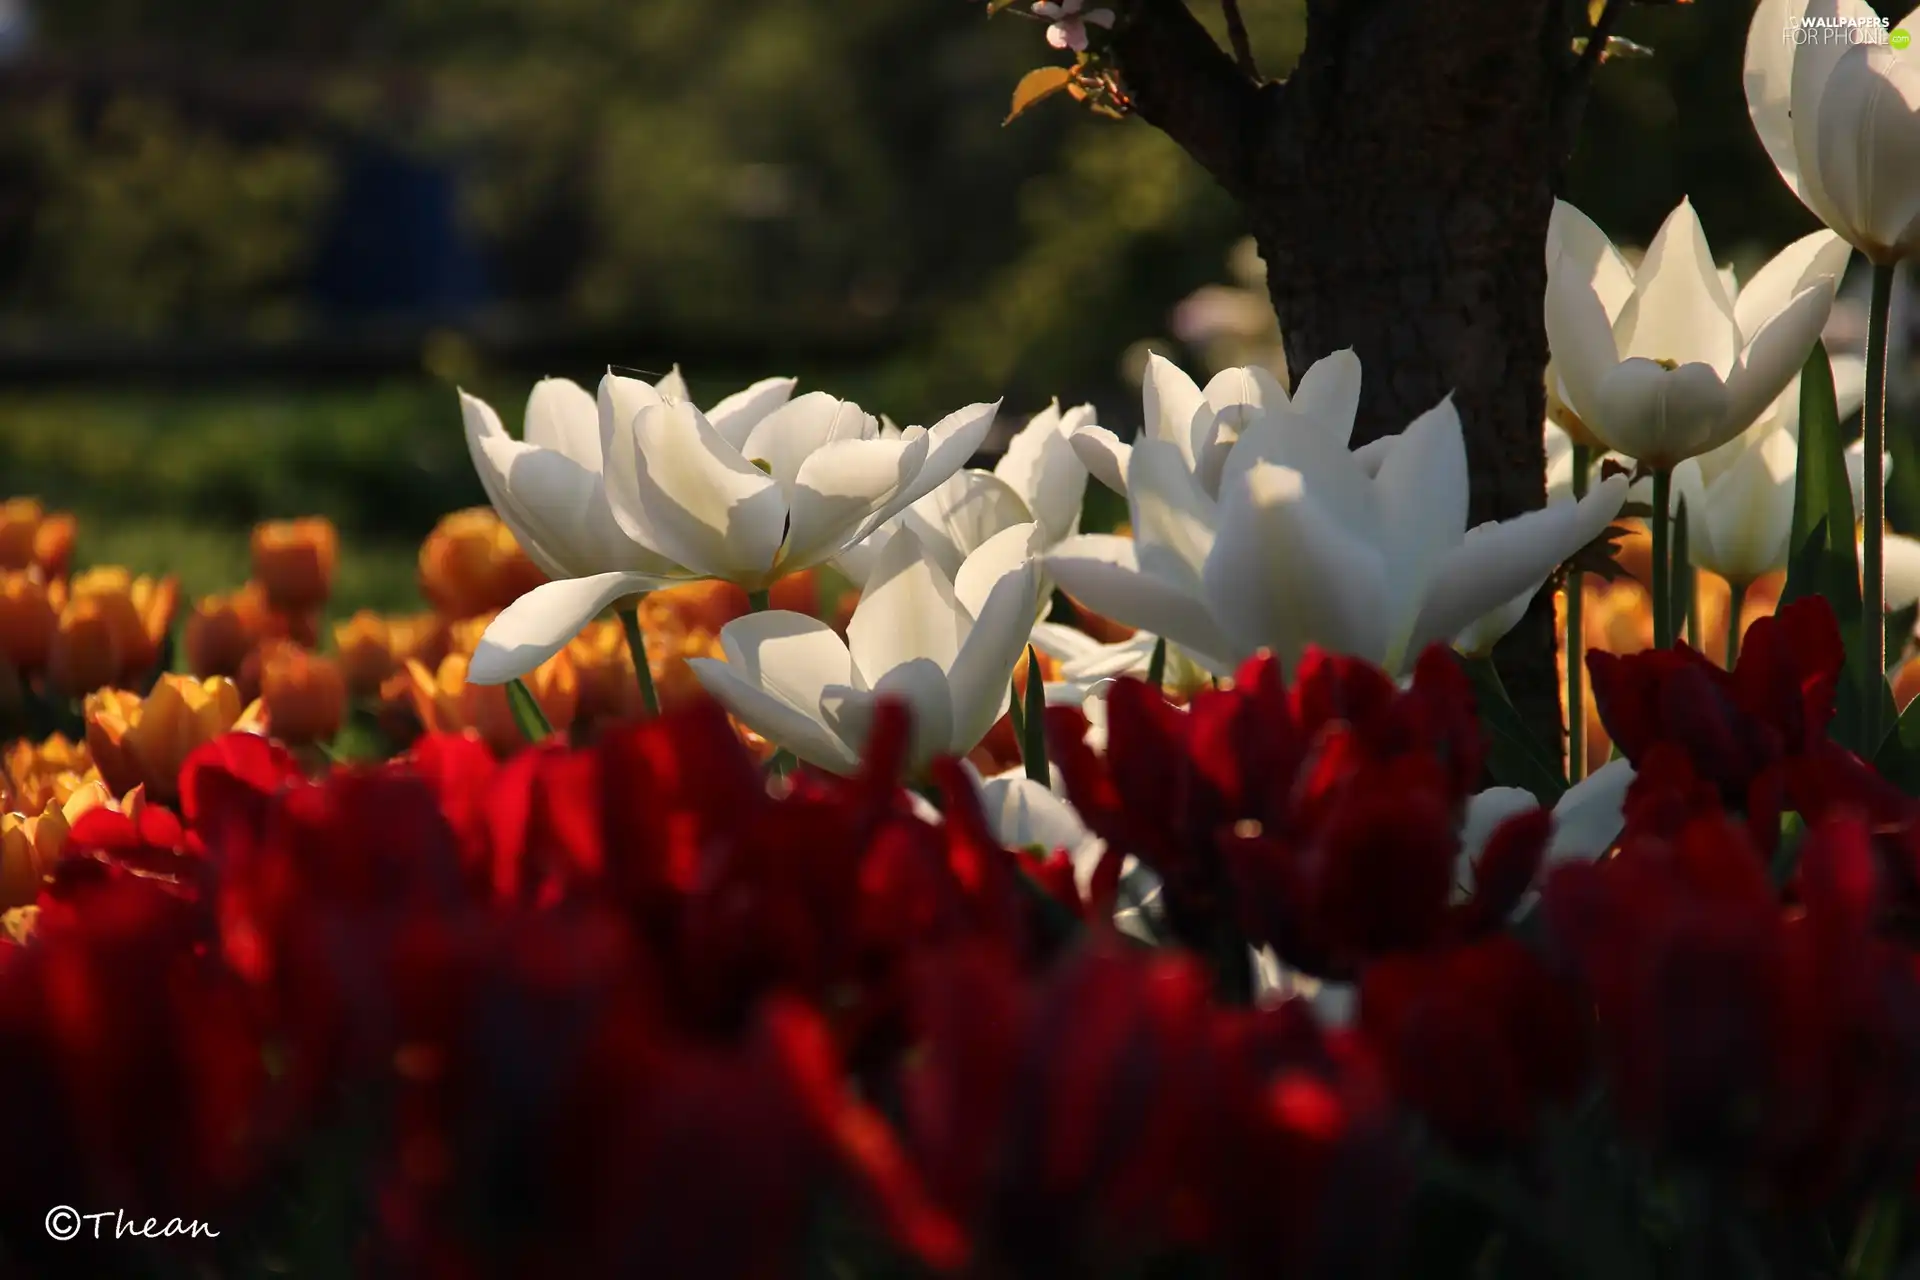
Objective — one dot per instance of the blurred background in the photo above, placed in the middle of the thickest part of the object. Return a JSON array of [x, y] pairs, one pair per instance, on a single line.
[[246, 250]]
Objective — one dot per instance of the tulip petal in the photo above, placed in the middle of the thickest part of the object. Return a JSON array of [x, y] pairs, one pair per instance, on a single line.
[[951, 444], [1500, 560], [673, 386], [1588, 816], [921, 684], [1328, 395], [561, 416], [1172, 518], [1103, 455], [1004, 552], [1812, 69], [1768, 77], [797, 430], [806, 735], [1421, 494], [1173, 409], [1662, 416], [1021, 813], [540, 623], [908, 610], [683, 490], [1776, 355], [1338, 478], [1573, 233], [1679, 310], [492, 451], [1238, 397], [737, 415], [838, 489], [1040, 465], [1821, 256], [1869, 145], [1902, 563], [981, 673], [1064, 643], [1485, 811], [958, 518], [1747, 514], [1102, 572], [1285, 574], [1581, 335]]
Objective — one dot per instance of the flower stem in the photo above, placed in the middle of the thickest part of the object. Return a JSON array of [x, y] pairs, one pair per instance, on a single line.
[[1873, 585], [1736, 601], [757, 601], [1663, 628], [527, 715], [637, 646], [1576, 639]]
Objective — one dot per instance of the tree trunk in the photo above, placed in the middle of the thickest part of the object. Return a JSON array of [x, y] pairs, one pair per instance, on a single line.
[[1399, 186]]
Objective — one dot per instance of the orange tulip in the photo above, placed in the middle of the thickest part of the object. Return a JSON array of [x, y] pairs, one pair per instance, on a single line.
[[446, 703], [32, 537], [304, 696], [143, 742], [608, 689], [31, 843], [373, 649], [137, 611], [29, 615], [223, 630], [86, 650], [471, 564], [293, 561], [37, 773]]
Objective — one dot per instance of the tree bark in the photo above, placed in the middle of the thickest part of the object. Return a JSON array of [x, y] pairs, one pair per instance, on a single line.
[[1399, 185]]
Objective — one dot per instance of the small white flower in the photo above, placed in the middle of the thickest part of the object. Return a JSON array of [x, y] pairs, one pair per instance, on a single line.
[[1069, 25]]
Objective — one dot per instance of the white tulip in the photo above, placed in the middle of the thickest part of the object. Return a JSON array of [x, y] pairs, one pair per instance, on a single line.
[[1203, 425], [1586, 821], [1306, 546], [1840, 118], [947, 646], [1088, 664], [1680, 369], [1039, 480], [550, 487], [763, 488], [1740, 496]]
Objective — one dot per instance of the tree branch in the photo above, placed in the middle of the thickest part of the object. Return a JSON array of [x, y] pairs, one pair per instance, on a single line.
[[1573, 92], [1237, 34], [1183, 84]]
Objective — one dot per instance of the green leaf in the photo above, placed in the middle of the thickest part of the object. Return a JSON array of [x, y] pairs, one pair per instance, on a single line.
[[1157, 665], [1681, 580], [1515, 757], [527, 715], [1033, 724], [1823, 555], [1898, 759], [1038, 84], [1876, 1241]]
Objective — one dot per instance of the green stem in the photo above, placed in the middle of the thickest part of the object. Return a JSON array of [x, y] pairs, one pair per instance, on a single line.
[[1576, 639], [757, 601], [1873, 586], [1686, 581], [637, 646], [1663, 628], [1736, 601], [527, 715]]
